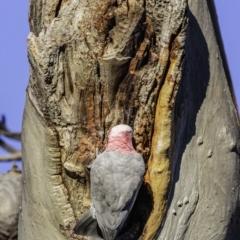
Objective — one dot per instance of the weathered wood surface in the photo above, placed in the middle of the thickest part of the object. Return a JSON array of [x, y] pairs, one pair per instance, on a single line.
[[99, 63], [10, 202]]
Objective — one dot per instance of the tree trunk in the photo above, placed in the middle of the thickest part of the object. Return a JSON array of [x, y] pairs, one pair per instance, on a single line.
[[10, 199], [155, 66]]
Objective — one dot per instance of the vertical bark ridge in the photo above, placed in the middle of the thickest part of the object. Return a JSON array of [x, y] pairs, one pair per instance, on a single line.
[[158, 167]]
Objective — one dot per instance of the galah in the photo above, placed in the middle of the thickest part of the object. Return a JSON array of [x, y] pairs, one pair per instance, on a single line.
[[116, 176]]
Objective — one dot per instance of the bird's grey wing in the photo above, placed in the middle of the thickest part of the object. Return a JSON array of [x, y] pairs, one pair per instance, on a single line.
[[87, 225], [115, 181]]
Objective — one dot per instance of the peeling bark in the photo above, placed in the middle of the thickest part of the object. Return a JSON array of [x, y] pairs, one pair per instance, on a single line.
[[100, 63]]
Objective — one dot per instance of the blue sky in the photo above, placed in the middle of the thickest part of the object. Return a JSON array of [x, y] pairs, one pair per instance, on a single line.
[[14, 68]]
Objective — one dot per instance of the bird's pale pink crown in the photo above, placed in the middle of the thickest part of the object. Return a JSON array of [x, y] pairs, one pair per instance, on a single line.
[[120, 139]]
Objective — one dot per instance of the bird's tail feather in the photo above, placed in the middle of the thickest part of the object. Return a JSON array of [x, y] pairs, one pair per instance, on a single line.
[[108, 234], [87, 226]]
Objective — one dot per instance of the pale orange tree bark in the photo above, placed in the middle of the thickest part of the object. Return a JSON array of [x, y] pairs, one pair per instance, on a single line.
[[154, 65]]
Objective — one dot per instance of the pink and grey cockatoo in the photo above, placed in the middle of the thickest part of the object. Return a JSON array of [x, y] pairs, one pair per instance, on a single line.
[[116, 176]]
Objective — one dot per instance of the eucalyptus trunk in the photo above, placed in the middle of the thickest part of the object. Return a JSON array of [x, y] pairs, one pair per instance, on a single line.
[[154, 65]]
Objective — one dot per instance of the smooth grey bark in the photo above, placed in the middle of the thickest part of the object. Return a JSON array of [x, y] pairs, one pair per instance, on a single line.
[[38, 211], [90, 71], [204, 197]]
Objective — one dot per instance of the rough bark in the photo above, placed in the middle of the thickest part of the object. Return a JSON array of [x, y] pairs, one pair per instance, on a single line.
[[96, 64], [10, 199]]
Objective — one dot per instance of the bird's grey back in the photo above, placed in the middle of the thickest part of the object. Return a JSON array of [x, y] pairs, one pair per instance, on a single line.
[[115, 180]]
